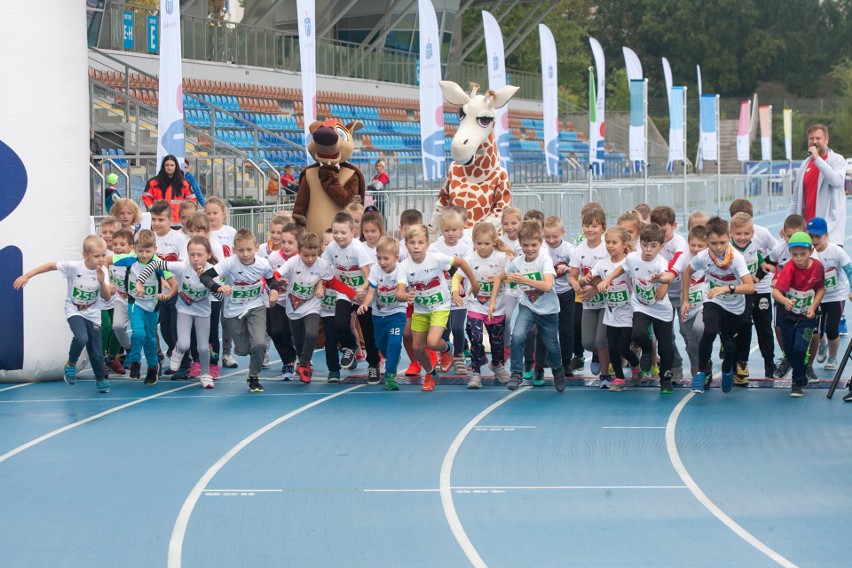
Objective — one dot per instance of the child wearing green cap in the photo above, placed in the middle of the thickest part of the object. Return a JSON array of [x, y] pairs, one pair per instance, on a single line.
[[111, 193], [799, 289]]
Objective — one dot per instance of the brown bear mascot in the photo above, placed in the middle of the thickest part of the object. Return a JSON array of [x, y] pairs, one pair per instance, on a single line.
[[328, 186]]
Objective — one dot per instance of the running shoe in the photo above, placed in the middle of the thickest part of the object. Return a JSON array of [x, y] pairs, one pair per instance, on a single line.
[[229, 362], [287, 372], [152, 376], [305, 373], [727, 381], [822, 352], [677, 376], [413, 369], [740, 381], [604, 382], [254, 385], [206, 381], [655, 372], [528, 371], [742, 369], [514, 381], [538, 378], [475, 381], [782, 368], [698, 382], [334, 376], [70, 374], [796, 391], [103, 386], [501, 373], [811, 375], [373, 376], [848, 397], [595, 366], [135, 370], [114, 365], [390, 382], [447, 360], [214, 371], [559, 379], [666, 384], [577, 363], [460, 367], [842, 329], [635, 376], [831, 363], [348, 360], [195, 370], [428, 381], [617, 384]]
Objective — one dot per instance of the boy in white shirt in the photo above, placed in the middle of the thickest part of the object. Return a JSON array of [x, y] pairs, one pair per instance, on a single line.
[[246, 277], [560, 252], [538, 304], [648, 275], [87, 287], [729, 280]]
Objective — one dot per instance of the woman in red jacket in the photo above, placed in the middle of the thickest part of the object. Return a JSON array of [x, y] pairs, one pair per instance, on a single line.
[[168, 185]]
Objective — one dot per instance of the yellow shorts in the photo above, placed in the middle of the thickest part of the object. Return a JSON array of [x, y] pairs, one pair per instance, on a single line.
[[422, 322]]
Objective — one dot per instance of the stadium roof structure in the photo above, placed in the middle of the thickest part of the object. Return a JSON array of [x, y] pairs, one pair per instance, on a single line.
[[392, 24]]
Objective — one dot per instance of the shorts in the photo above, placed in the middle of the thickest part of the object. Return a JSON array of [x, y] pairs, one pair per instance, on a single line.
[[422, 322]]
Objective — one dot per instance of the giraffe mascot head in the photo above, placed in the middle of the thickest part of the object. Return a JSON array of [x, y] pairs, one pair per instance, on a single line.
[[475, 179]]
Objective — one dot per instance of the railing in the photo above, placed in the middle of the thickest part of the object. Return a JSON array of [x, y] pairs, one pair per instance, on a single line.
[[227, 42]]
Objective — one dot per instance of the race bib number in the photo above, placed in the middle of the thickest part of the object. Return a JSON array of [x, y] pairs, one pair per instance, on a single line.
[[83, 298], [304, 292], [329, 299], [244, 294], [148, 291], [696, 294], [191, 295], [645, 292], [353, 281], [617, 295], [385, 298], [429, 299], [485, 289], [830, 279], [719, 284], [802, 301]]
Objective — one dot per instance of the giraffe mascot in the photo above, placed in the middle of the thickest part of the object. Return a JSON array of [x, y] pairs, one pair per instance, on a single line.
[[475, 180]]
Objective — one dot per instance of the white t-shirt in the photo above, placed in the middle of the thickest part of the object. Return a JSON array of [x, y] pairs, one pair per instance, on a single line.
[[698, 286], [371, 252], [108, 304], [299, 299], [752, 254], [722, 278], [247, 284], [225, 237], [459, 250], [265, 249], [84, 290], [403, 250], [670, 252], [483, 269], [384, 291], [428, 281], [833, 259], [561, 256], [347, 263], [542, 303], [779, 255], [193, 296], [172, 247], [619, 311], [585, 258], [514, 245], [643, 291]]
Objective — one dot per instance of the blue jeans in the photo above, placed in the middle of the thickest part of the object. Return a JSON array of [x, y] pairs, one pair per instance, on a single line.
[[388, 332], [548, 330], [456, 326], [88, 335], [143, 336], [796, 338]]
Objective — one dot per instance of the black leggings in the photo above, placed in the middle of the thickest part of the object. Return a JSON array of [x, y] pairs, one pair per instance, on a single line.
[[215, 315], [829, 322], [721, 322], [758, 310], [304, 331], [343, 328], [618, 339], [279, 330], [642, 324]]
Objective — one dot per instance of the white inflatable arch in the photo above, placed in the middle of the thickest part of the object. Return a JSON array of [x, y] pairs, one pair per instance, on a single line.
[[44, 180]]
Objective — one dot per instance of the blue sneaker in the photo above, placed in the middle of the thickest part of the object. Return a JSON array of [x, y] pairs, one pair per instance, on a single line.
[[103, 386], [595, 366], [698, 382], [70, 374], [727, 381], [843, 329]]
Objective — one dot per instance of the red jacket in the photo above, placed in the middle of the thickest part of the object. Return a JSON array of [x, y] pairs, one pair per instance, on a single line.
[[153, 192]]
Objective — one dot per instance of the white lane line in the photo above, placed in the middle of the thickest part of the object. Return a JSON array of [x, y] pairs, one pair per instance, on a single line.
[[674, 456], [58, 431], [16, 387], [454, 488], [447, 491], [179, 530], [633, 427], [559, 487], [515, 427]]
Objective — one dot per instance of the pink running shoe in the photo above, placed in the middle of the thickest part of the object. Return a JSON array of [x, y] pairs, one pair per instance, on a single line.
[[214, 371], [636, 375], [195, 370], [617, 384]]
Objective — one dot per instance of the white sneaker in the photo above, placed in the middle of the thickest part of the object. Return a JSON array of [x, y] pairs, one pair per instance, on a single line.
[[175, 360], [475, 382], [206, 381], [822, 352], [229, 362], [501, 373], [831, 364]]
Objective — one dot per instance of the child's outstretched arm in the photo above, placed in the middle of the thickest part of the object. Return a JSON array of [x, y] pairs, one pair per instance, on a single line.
[[22, 280], [468, 271], [368, 299]]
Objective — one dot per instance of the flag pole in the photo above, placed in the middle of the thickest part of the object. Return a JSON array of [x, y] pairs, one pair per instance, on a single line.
[[685, 197], [645, 123], [718, 159]]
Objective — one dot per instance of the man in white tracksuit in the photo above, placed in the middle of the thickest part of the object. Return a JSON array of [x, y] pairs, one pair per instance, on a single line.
[[819, 187]]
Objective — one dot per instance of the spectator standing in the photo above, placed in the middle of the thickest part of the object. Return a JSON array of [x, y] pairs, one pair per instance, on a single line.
[[193, 183], [169, 185]]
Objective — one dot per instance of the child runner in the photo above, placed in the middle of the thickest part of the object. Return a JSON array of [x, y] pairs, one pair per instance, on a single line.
[[695, 290], [778, 257], [352, 266], [648, 275], [618, 317], [244, 312], [128, 214], [560, 252], [423, 273], [838, 272], [533, 272], [586, 255], [122, 244], [372, 230], [451, 244], [799, 289], [193, 303], [217, 213], [632, 221], [87, 286], [409, 218], [388, 313], [327, 303], [109, 342], [278, 327], [729, 280], [489, 259], [306, 275], [276, 228], [143, 304]]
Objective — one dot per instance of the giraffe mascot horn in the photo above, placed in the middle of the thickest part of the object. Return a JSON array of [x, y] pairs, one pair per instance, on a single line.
[[475, 179]]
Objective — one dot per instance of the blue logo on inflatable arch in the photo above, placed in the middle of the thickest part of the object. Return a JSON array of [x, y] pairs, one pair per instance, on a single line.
[[173, 139], [307, 27], [13, 186]]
